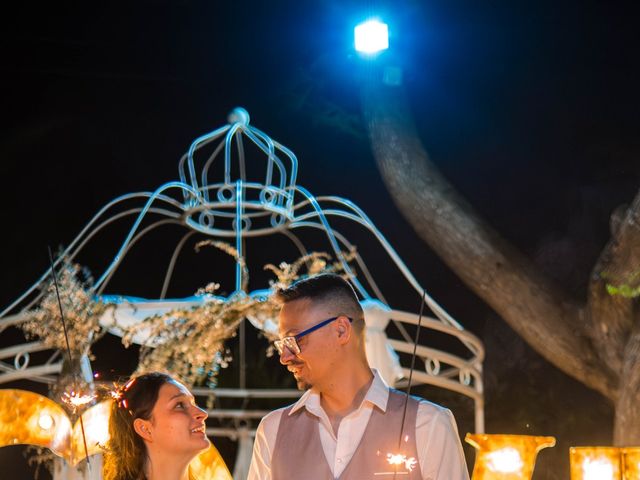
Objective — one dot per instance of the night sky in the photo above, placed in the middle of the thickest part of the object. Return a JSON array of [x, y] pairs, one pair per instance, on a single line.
[[529, 108]]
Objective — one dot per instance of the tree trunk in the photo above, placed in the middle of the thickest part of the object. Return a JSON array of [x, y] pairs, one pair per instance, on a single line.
[[590, 342], [626, 428]]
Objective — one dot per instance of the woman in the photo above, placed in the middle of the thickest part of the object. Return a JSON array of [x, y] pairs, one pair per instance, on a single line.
[[155, 430]]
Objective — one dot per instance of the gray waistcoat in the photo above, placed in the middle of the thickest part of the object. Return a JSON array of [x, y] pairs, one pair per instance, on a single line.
[[298, 452]]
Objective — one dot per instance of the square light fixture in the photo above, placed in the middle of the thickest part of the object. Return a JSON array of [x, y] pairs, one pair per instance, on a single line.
[[371, 37]]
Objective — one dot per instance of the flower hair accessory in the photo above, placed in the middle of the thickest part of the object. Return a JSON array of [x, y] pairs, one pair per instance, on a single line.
[[119, 394]]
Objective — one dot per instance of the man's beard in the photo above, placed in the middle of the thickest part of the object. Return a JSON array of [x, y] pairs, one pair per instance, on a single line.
[[303, 385]]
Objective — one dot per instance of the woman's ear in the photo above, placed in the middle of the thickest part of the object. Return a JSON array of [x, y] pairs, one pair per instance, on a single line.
[[142, 428]]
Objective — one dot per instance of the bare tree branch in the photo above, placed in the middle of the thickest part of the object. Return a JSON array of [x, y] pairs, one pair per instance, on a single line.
[[530, 303]]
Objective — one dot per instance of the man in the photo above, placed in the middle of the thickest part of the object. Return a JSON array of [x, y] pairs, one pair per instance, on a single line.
[[348, 421]]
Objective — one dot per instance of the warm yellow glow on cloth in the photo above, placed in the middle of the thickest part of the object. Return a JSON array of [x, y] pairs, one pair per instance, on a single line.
[[506, 457], [96, 430], [209, 465], [31, 419]]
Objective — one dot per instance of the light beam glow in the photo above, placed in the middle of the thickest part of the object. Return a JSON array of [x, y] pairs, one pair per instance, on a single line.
[[371, 37]]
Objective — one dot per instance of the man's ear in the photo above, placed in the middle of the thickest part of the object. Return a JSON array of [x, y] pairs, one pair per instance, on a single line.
[[142, 428], [344, 329]]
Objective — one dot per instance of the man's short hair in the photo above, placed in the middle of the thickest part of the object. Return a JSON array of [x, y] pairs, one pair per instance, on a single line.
[[327, 288]]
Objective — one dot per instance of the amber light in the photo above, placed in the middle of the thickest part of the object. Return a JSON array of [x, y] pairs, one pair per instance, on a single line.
[[595, 463], [630, 463], [506, 457], [31, 419]]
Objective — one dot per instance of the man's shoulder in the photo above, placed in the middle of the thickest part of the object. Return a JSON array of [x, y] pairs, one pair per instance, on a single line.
[[436, 417], [431, 408], [274, 416], [423, 404], [426, 408]]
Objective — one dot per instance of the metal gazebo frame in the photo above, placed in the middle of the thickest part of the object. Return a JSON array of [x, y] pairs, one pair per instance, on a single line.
[[237, 206]]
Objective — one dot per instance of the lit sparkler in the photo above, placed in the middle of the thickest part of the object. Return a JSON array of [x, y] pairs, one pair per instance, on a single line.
[[77, 399], [73, 398], [118, 393], [398, 459]]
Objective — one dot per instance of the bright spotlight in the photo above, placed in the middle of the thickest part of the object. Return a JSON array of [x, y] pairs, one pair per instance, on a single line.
[[371, 37]]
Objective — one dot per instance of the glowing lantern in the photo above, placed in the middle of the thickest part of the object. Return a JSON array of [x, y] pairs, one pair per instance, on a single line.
[[595, 463], [631, 463], [31, 419], [506, 457]]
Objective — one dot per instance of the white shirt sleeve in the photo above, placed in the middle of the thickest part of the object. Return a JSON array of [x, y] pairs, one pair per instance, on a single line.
[[263, 445], [438, 444]]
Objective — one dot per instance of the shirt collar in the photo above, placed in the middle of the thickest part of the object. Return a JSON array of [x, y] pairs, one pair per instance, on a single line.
[[377, 395]]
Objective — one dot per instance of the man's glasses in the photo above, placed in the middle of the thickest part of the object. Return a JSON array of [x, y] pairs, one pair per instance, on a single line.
[[291, 342]]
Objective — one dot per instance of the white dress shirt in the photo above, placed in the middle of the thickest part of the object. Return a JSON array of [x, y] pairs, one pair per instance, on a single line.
[[439, 449]]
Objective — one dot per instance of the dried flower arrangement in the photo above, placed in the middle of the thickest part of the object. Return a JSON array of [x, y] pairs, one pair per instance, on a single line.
[[189, 343], [82, 312]]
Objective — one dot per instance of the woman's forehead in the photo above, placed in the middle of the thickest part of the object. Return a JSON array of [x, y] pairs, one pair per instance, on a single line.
[[173, 389]]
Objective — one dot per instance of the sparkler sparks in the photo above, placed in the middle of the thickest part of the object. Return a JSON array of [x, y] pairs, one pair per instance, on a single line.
[[118, 393], [398, 459], [72, 399], [77, 399]]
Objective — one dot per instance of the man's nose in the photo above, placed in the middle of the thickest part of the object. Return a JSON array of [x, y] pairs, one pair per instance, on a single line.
[[286, 356]]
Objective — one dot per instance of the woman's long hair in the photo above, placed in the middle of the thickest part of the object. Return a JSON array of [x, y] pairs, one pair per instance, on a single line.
[[126, 454]]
